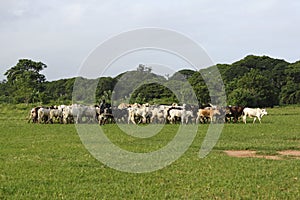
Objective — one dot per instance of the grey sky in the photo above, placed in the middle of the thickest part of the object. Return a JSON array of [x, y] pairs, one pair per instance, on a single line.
[[61, 34]]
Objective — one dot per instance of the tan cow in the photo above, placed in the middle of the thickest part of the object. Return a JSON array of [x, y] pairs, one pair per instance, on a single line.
[[204, 114]]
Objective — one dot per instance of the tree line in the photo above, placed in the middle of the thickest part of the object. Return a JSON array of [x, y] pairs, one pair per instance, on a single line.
[[254, 81]]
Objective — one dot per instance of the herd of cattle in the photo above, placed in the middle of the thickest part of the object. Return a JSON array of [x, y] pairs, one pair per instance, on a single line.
[[143, 113]]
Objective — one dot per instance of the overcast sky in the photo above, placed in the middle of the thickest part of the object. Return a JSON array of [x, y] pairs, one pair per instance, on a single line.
[[61, 34]]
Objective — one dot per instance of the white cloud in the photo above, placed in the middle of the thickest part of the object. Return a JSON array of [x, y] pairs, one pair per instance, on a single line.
[[62, 33], [73, 13]]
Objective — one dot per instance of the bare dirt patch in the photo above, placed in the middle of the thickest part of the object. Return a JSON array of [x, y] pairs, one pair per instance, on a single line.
[[240, 154], [295, 153], [269, 157], [252, 154]]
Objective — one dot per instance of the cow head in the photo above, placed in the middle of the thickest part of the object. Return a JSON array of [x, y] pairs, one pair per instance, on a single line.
[[263, 112]]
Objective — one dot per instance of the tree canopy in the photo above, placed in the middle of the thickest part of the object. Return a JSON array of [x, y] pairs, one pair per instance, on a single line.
[[24, 81], [255, 81]]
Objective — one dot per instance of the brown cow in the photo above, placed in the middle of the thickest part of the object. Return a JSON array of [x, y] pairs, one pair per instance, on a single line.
[[234, 112], [204, 114]]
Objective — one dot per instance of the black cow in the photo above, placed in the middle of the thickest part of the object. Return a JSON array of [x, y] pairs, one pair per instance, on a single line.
[[233, 113]]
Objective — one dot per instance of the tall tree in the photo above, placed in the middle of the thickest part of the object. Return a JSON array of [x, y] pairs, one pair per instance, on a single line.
[[25, 81], [253, 89], [290, 93]]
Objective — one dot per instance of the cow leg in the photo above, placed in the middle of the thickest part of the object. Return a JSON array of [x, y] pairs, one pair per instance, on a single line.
[[144, 119], [152, 119], [129, 119], [197, 120], [254, 120], [259, 119], [245, 119], [202, 119], [132, 119], [234, 118]]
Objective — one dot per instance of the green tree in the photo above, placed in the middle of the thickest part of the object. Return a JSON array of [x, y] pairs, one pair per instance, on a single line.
[[182, 75], [153, 93], [253, 89], [4, 93], [58, 92], [25, 81], [200, 88], [104, 89], [290, 92]]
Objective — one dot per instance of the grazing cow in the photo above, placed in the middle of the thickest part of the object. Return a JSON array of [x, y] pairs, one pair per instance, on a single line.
[[254, 113], [234, 112], [204, 114]]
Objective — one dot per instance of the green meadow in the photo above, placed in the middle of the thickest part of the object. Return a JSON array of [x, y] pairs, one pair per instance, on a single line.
[[49, 161]]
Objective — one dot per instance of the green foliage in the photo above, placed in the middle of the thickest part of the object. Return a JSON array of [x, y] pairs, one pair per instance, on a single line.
[[127, 83], [200, 87], [4, 93], [255, 81], [84, 91], [182, 75], [291, 91], [58, 92], [253, 89], [152, 93], [104, 88], [25, 82]]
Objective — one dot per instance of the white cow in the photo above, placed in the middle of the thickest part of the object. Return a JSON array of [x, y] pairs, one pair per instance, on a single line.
[[253, 113], [174, 114], [90, 113], [188, 116], [67, 114], [138, 111], [55, 114], [180, 112], [73, 112], [33, 115], [159, 113], [43, 115]]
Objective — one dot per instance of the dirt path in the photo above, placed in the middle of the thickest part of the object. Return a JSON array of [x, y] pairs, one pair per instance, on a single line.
[[252, 154]]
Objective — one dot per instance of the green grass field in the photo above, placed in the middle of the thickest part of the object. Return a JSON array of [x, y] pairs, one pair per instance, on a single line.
[[49, 161]]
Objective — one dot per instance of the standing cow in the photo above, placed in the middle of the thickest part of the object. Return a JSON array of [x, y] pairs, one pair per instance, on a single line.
[[233, 112], [204, 114], [254, 113], [43, 115], [33, 116], [140, 112]]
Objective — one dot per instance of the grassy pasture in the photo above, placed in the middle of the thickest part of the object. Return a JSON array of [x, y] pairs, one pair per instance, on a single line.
[[50, 162]]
